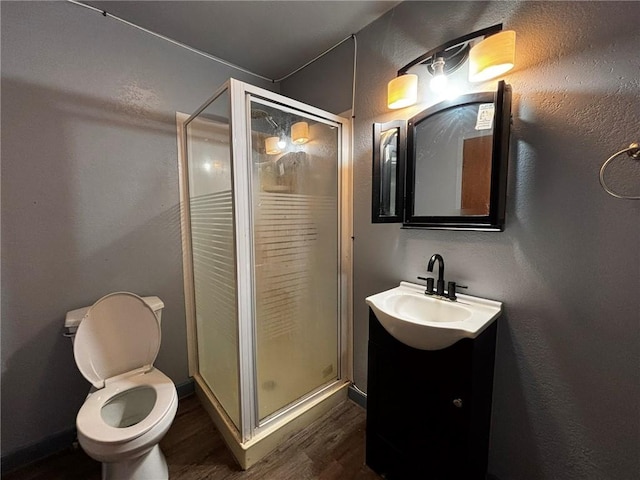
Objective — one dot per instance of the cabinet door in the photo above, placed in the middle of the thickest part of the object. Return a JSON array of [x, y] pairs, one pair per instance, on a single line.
[[413, 409]]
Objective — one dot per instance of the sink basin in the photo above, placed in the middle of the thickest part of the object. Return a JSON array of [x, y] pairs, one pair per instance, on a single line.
[[430, 323]]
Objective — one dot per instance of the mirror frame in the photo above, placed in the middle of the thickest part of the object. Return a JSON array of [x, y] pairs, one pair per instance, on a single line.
[[376, 187], [495, 220]]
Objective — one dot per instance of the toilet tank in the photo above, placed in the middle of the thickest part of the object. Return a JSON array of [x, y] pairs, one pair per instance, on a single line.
[[74, 317]]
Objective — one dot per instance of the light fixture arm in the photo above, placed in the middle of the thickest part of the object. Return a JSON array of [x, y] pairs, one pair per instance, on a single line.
[[485, 32]]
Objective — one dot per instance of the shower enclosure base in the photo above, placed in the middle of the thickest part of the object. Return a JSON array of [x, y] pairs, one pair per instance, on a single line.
[[279, 430]]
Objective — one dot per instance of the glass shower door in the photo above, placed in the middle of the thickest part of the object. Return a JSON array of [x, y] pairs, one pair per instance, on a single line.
[[295, 209], [212, 225]]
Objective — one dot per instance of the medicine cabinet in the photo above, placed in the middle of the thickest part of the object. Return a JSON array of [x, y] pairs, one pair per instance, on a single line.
[[451, 171]]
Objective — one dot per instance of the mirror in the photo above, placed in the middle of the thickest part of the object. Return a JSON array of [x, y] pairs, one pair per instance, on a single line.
[[452, 170], [389, 149], [456, 165]]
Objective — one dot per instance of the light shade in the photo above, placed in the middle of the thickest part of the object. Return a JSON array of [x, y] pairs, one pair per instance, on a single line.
[[300, 133], [402, 91], [271, 145], [493, 56]]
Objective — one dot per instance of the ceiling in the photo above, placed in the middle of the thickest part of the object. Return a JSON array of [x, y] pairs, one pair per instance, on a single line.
[[270, 38]]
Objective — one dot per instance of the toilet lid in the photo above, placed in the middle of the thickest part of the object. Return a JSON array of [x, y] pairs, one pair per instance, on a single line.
[[119, 333]]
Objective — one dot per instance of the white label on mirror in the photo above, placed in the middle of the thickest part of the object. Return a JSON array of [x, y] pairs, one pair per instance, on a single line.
[[485, 116]]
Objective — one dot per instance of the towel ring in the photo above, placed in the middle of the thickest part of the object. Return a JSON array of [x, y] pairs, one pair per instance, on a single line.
[[633, 151]]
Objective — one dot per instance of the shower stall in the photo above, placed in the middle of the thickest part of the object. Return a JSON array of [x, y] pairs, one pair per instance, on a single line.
[[266, 222]]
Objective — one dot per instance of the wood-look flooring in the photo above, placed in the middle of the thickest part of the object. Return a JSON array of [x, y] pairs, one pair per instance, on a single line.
[[332, 448]]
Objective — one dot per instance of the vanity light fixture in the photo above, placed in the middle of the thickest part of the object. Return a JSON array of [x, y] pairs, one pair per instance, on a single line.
[[491, 52], [300, 133], [272, 145]]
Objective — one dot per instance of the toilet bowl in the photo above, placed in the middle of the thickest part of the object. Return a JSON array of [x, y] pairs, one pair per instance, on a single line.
[[132, 404]]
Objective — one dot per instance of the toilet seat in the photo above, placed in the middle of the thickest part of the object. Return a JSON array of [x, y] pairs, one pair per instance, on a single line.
[[115, 347], [120, 333], [90, 423]]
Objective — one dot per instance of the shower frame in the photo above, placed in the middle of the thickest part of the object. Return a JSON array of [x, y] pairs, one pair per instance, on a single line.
[[252, 432]]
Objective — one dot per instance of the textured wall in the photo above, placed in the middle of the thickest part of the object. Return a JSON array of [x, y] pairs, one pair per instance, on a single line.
[[567, 267], [336, 83], [89, 194]]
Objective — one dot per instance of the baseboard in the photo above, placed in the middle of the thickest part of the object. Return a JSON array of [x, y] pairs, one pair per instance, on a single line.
[[45, 447], [186, 389], [358, 396], [61, 441]]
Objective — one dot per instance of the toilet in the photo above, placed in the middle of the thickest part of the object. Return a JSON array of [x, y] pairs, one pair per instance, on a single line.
[[131, 404]]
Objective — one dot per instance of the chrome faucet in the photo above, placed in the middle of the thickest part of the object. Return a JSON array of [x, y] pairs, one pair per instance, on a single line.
[[440, 282]]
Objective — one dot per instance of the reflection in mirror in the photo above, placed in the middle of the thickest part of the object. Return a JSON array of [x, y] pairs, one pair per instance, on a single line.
[[388, 165], [388, 171], [453, 162]]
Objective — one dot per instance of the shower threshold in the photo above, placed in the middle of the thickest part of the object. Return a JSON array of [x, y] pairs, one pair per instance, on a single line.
[[279, 430]]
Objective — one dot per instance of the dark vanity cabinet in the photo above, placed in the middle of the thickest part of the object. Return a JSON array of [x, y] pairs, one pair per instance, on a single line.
[[428, 412]]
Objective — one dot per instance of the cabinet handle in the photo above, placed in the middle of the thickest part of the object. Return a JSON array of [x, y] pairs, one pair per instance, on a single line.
[[457, 402]]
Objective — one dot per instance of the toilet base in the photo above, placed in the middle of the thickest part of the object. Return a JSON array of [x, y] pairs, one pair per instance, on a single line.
[[150, 466]]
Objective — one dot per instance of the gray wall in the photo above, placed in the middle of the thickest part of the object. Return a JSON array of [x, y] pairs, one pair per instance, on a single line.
[[327, 83], [89, 194], [567, 267]]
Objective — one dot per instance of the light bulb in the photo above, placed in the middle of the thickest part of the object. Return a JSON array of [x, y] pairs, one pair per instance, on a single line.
[[439, 81], [282, 143]]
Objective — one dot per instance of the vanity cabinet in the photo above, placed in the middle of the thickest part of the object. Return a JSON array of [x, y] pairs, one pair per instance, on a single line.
[[428, 412]]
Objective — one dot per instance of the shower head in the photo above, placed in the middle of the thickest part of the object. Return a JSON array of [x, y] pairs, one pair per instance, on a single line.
[[257, 114]]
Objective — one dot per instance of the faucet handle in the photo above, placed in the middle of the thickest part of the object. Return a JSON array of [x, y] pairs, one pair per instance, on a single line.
[[429, 290], [451, 290]]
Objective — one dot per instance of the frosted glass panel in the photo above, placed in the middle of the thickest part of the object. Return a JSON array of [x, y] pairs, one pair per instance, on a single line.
[[213, 246], [295, 211]]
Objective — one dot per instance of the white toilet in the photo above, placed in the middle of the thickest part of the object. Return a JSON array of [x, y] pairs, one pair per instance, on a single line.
[[132, 404]]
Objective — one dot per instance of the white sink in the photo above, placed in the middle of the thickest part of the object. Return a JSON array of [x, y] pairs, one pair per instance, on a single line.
[[430, 323]]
